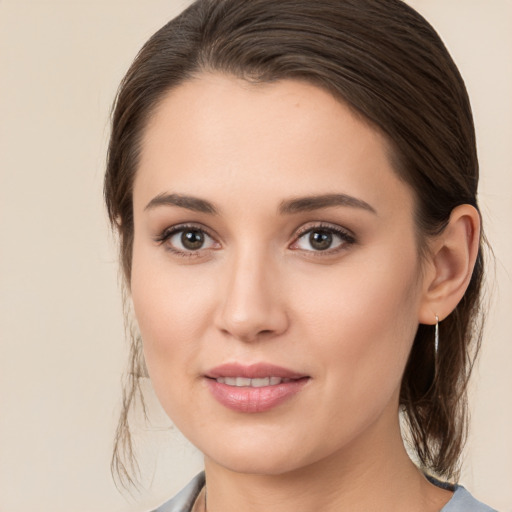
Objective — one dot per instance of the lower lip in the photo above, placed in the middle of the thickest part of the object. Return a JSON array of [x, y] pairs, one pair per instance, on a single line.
[[248, 399]]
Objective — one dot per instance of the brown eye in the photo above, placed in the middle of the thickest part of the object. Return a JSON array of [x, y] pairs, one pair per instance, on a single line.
[[323, 239], [192, 239], [185, 240], [320, 240]]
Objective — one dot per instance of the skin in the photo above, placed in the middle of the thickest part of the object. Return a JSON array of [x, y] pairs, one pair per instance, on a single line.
[[259, 291]]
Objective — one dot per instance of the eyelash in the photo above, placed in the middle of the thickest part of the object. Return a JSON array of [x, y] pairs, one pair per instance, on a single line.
[[346, 237], [168, 233]]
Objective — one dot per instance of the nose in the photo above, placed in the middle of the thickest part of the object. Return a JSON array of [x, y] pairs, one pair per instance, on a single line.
[[251, 305]]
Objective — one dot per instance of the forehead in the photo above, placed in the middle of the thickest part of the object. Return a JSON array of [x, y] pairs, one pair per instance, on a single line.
[[218, 134]]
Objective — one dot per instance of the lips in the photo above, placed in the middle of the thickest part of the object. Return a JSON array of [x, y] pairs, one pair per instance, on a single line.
[[254, 388]]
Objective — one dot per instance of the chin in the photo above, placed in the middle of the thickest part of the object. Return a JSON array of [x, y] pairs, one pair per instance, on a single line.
[[266, 465], [263, 456]]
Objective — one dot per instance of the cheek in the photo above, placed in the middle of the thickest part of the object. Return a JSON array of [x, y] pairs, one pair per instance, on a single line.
[[168, 328], [381, 289], [170, 308], [364, 320]]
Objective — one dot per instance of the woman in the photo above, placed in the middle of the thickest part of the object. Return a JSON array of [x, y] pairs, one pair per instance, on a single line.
[[294, 187]]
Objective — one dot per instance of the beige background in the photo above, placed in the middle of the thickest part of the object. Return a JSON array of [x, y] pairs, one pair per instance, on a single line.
[[62, 350]]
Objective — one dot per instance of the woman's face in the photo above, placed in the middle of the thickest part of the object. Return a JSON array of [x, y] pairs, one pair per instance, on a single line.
[[276, 278]]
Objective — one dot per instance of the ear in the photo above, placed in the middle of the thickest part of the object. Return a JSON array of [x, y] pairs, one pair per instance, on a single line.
[[452, 258]]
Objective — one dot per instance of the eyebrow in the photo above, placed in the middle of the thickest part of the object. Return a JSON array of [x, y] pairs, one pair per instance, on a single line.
[[290, 206], [190, 203], [310, 203]]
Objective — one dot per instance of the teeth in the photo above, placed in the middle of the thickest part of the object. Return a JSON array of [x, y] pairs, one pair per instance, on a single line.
[[242, 382], [253, 383], [259, 383]]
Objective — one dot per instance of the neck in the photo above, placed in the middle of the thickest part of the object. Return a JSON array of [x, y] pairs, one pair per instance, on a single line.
[[374, 473]]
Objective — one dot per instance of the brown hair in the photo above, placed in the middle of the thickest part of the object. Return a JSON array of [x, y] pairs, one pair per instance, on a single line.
[[385, 61]]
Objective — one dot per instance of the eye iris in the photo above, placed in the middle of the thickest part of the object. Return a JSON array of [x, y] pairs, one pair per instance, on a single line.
[[192, 239], [320, 240]]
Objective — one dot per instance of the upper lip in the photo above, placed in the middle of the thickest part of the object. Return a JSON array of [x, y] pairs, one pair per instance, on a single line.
[[253, 371]]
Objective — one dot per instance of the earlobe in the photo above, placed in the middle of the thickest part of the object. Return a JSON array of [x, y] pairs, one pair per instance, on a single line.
[[453, 256]]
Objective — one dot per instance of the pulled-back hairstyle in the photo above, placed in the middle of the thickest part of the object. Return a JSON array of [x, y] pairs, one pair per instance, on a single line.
[[388, 64]]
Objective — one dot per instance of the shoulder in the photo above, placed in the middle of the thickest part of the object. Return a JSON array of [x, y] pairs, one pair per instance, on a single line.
[[184, 500], [462, 501]]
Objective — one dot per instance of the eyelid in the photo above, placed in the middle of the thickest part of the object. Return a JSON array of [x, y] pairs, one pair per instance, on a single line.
[[170, 231], [347, 237], [345, 234], [328, 226]]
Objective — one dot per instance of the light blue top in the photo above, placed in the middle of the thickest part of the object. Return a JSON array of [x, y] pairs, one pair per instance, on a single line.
[[461, 500]]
